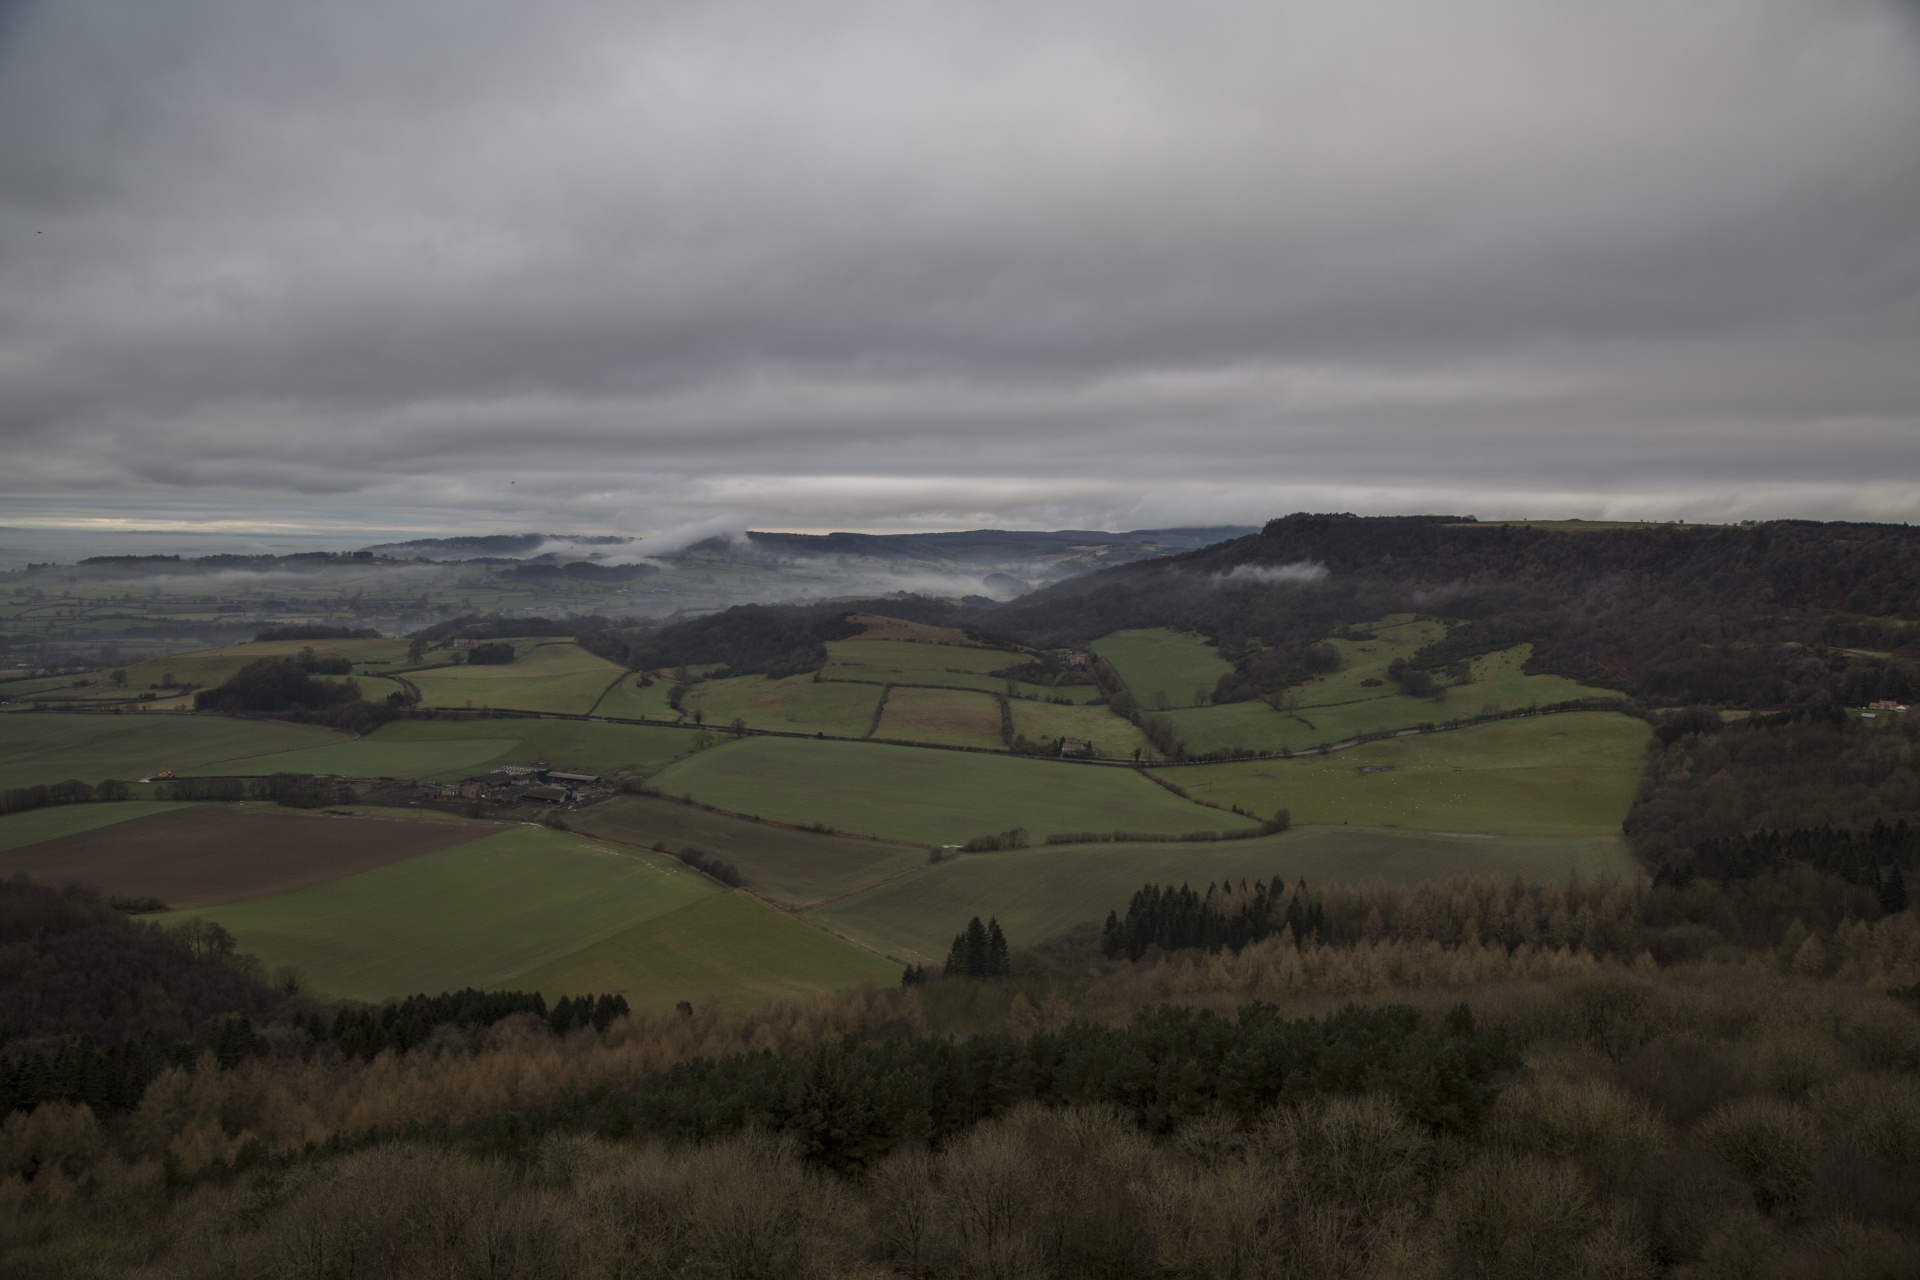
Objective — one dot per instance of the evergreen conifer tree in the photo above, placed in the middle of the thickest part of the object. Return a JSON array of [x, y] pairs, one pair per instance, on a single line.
[[997, 964], [1893, 892]]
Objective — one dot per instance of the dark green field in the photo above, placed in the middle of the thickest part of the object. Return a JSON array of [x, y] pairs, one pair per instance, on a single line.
[[451, 749], [36, 749], [792, 866], [926, 795], [1570, 774]]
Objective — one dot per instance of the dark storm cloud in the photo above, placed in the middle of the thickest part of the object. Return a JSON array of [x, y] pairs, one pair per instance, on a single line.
[[868, 264]]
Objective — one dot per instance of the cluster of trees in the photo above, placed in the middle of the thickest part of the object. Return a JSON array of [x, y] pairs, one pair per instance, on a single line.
[[398, 1027], [72, 791], [767, 639], [1172, 919], [494, 653], [584, 571], [703, 862], [93, 1005], [1673, 919], [847, 1105], [1799, 770], [1279, 822], [1014, 838], [772, 640], [315, 631], [979, 951], [1878, 856], [277, 685], [403, 1025]]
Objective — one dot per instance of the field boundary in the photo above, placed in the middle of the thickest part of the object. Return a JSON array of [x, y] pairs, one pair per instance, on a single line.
[[798, 910], [1619, 705]]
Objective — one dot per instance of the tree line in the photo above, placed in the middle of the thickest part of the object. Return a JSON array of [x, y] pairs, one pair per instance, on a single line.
[[849, 1104]]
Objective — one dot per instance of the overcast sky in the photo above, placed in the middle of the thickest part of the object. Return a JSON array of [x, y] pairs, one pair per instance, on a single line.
[[626, 266]]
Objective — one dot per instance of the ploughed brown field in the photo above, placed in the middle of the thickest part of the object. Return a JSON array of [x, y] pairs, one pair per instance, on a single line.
[[210, 854]]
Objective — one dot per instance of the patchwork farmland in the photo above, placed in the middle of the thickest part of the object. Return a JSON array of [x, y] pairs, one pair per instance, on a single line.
[[835, 798]]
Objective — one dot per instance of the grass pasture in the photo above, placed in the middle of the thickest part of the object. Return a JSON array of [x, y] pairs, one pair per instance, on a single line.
[[35, 825], [1110, 736], [1499, 680], [794, 704], [37, 749], [1397, 636], [480, 914], [546, 675], [1163, 667], [916, 655], [1039, 892], [952, 717], [880, 627], [438, 750], [1552, 775], [792, 866], [205, 854], [1249, 726], [726, 947], [927, 796], [915, 662], [378, 756], [627, 700]]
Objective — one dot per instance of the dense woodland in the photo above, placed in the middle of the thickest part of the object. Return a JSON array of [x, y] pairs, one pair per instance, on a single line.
[[1463, 1079]]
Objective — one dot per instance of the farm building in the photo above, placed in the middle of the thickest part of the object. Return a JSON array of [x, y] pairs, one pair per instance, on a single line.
[[547, 795], [574, 779], [1886, 705]]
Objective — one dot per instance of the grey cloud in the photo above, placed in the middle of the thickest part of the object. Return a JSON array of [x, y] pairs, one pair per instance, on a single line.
[[865, 264], [1301, 572]]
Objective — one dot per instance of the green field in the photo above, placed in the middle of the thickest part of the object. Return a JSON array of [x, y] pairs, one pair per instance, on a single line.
[[927, 795], [203, 669], [792, 866], [1499, 682], [35, 825], [380, 756], [795, 704], [918, 655], [1397, 636], [1162, 667], [628, 701], [1338, 707], [1038, 892], [50, 748], [726, 947], [1570, 774], [915, 662], [1109, 735], [954, 717], [535, 908], [547, 675], [433, 750]]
